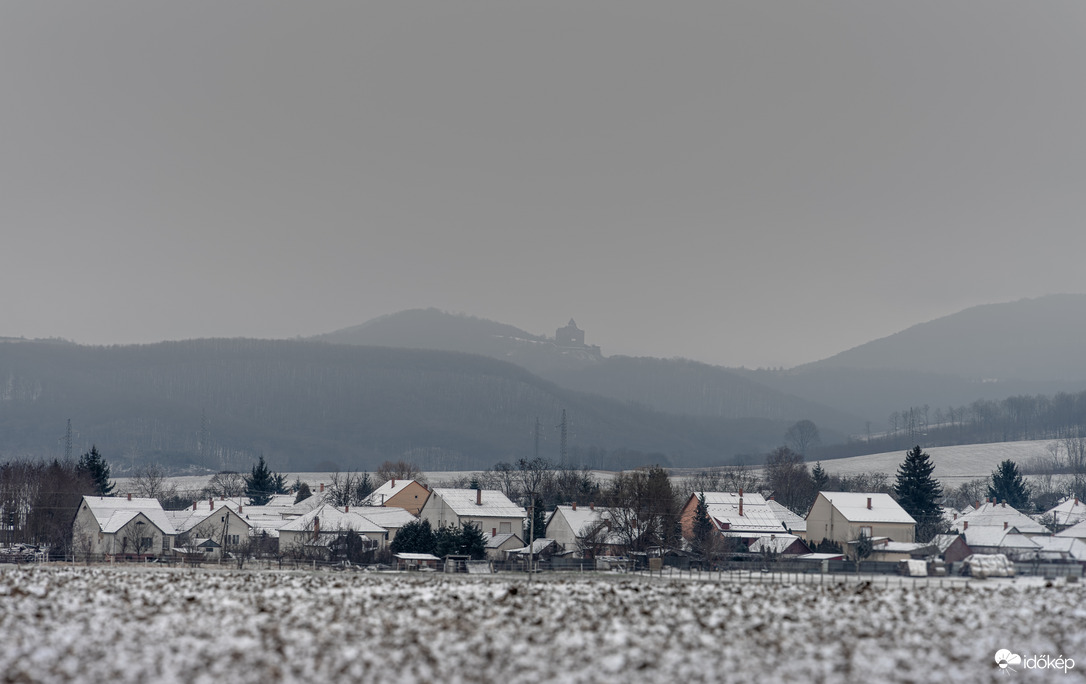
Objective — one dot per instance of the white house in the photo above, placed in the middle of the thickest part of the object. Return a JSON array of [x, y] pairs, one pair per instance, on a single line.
[[586, 529], [842, 517], [1068, 512], [122, 526], [324, 524], [998, 515], [490, 509]]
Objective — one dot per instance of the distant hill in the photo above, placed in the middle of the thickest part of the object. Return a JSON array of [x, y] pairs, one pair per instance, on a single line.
[[987, 352], [317, 406], [674, 386], [438, 330], [1031, 340]]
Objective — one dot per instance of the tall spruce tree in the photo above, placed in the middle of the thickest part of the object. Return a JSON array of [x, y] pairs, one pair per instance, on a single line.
[[919, 493], [414, 537], [819, 478], [94, 467], [1006, 484], [703, 527], [261, 483], [472, 541]]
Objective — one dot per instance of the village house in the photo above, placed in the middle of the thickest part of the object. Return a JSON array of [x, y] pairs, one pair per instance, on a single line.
[[998, 515], [1077, 531], [218, 521], [779, 545], [489, 509], [122, 527], [1068, 512], [991, 539], [734, 514], [585, 530], [952, 547], [498, 547], [409, 495], [314, 533], [842, 517], [794, 524]]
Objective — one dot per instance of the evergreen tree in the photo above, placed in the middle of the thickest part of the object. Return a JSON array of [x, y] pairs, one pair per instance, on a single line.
[[919, 493], [819, 478], [261, 484], [1006, 484], [364, 487], [703, 526], [414, 537], [472, 541], [303, 491], [446, 542], [94, 467], [538, 521]]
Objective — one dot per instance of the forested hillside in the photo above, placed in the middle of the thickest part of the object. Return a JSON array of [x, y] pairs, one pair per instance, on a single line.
[[310, 405]]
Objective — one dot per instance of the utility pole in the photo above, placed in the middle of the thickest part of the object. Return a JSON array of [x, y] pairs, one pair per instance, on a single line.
[[68, 443], [562, 451]]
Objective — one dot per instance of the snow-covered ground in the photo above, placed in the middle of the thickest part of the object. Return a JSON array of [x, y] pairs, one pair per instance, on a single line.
[[953, 464], [139, 624]]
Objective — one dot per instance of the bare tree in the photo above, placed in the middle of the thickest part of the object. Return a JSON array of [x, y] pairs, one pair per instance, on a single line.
[[399, 470], [802, 436], [228, 483], [787, 478], [151, 482]]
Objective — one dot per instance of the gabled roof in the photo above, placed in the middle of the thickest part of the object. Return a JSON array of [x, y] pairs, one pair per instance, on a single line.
[[332, 520], [853, 506], [776, 543], [1067, 546], [583, 519], [185, 520], [386, 491], [943, 541], [723, 509], [995, 515], [1069, 512], [462, 503], [114, 512], [1077, 531], [388, 517], [992, 536], [496, 541], [789, 519]]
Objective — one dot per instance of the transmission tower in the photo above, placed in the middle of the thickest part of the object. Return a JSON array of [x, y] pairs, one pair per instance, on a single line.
[[68, 442]]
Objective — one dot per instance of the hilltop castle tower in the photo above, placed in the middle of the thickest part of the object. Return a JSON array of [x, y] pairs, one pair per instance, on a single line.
[[569, 336]]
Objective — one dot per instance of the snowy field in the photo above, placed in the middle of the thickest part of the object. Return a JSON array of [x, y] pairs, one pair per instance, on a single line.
[[103, 624], [953, 464]]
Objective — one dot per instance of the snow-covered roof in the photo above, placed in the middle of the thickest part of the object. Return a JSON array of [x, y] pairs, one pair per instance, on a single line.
[[388, 517], [790, 520], [497, 540], [185, 520], [417, 556], [992, 536], [943, 541], [757, 516], [582, 519], [114, 512], [332, 520], [1068, 512], [495, 503], [775, 543], [207, 505], [999, 515], [853, 506], [906, 547], [1077, 531], [386, 491], [537, 546], [1068, 546]]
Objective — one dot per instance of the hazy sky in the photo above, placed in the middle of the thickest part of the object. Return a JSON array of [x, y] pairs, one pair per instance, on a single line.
[[755, 183]]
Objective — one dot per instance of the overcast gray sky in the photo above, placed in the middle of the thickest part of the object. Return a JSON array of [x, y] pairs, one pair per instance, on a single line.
[[756, 183]]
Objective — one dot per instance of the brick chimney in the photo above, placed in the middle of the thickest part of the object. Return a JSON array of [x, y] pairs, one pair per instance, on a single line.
[[129, 496], [239, 509], [591, 505], [479, 497], [965, 525], [322, 488], [955, 516], [211, 504], [346, 509], [393, 482], [574, 505], [1004, 524], [976, 504], [194, 505], [740, 506], [869, 503]]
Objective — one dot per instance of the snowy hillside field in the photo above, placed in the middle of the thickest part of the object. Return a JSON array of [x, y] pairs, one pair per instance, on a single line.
[[103, 624], [953, 464]]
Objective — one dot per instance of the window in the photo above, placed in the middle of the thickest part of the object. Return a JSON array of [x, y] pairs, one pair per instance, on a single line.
[[505, 528], [165, 544], [865, 531], [147, 543]]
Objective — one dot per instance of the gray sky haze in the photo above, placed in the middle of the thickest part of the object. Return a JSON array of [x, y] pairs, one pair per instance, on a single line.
[[750, 183]]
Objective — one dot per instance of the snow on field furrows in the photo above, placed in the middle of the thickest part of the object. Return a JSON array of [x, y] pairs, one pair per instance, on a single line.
[[64, 624]]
